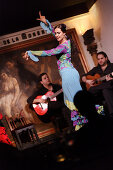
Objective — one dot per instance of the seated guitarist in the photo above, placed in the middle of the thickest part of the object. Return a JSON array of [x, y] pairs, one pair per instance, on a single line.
[[55, 108], [99, 80]]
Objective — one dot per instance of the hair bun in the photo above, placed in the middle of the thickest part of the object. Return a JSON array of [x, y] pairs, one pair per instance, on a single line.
[[64, 26]]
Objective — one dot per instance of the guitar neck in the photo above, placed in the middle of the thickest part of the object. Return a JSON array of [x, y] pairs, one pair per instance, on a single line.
[[101, 78], [56, 94], [104, 77]]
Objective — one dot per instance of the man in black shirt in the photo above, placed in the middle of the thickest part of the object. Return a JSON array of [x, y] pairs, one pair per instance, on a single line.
[[103, 85], [56, 109]]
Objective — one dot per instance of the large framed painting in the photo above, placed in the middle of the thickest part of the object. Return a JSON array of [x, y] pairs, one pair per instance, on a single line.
[[18, 77]]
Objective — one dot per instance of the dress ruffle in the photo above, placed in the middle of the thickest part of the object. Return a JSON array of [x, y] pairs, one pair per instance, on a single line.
[[78, 119], [49, 28]]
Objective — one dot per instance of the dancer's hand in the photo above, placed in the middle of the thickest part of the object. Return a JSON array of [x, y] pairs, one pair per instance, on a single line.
[[26, 57], [42, 18]]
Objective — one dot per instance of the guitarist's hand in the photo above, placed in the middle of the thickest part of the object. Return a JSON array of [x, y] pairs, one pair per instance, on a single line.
[[90, 82], [108, 78], [40, 100]]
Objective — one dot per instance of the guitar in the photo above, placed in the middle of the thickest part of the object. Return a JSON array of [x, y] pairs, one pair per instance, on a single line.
[[42, 108], [97, 79]]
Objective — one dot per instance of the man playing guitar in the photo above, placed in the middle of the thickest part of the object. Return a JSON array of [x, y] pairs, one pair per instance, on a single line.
[[99, 80], [55, 105]]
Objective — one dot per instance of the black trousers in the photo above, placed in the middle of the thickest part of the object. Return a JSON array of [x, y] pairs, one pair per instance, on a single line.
[[105, 91]]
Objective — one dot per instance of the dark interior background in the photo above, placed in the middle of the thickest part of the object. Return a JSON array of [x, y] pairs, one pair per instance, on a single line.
[[21, 14]]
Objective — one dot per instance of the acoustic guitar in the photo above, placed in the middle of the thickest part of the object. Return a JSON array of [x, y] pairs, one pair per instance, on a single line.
[[97, 79], [42, 108]]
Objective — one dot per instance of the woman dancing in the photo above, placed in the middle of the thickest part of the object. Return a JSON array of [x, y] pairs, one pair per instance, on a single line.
[[70, 76]]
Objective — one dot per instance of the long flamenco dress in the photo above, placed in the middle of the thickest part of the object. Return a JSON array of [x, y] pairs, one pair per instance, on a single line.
[[70, 76]]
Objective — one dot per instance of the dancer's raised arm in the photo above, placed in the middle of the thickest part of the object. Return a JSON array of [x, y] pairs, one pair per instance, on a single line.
[[45, 24], [42, 18]]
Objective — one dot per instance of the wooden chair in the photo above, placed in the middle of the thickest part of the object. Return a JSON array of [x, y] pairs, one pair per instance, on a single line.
[[24, 134]]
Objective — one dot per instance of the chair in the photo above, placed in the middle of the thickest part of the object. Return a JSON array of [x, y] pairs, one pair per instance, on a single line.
[[24, 134]]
